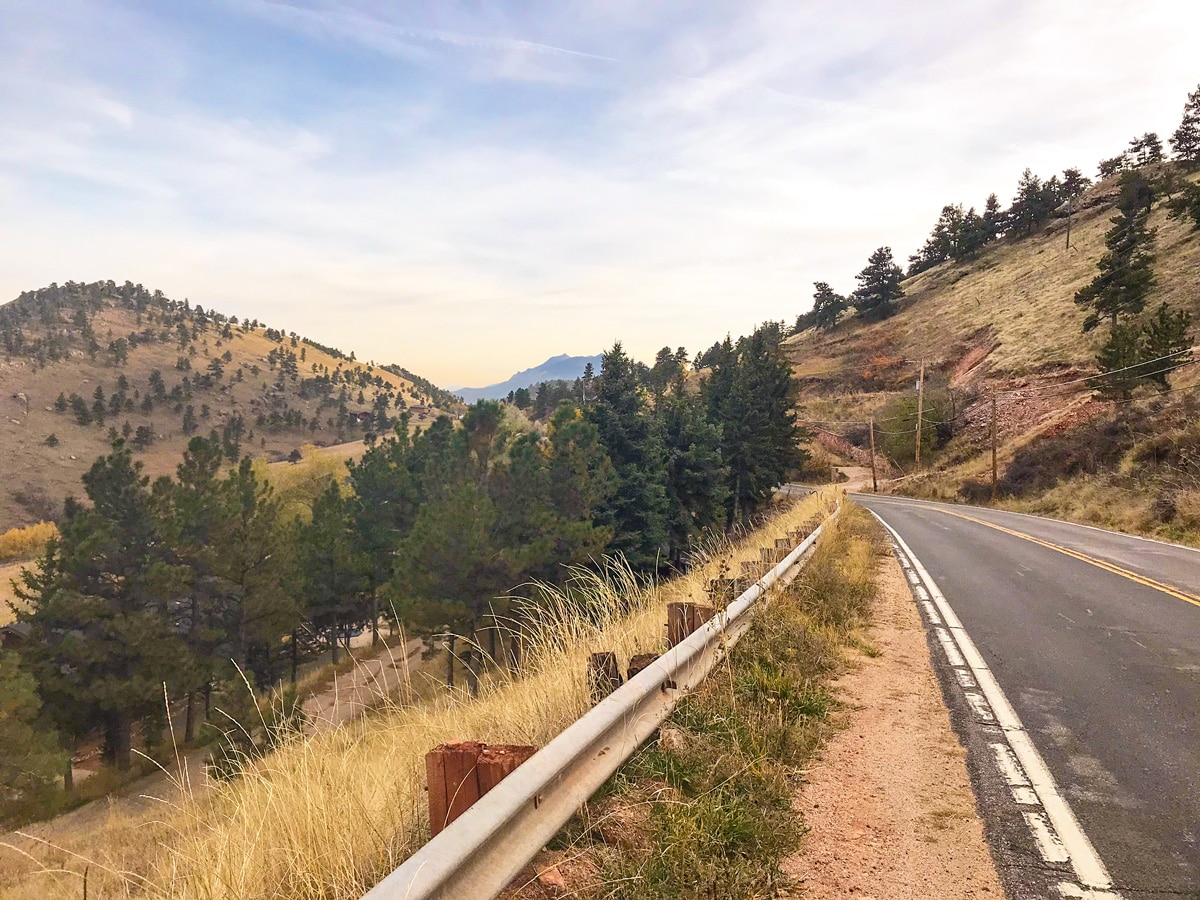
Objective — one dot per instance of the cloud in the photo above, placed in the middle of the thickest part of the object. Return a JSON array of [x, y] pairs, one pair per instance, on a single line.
[[467, 190]]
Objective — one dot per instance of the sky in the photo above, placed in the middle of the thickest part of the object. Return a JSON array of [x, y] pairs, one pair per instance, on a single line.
[[469, 188]]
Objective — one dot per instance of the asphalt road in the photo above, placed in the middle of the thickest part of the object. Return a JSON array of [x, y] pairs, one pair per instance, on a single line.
[[1094, 638]]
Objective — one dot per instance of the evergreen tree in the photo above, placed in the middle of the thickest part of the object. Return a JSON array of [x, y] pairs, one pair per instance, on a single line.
[[1074, 183], [332, 567], [827, 306], [1187, 204], [30, 758], [1125, 270], [384, 507], [878, 286], [1166, 334], [637, 510], [1185, 142], [696, 477], [1146, 150], [992, 224], [750, 393], [1031, 206], [104, 625]]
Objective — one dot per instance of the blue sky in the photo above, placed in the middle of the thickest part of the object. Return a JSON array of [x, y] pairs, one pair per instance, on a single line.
[[469, 188]]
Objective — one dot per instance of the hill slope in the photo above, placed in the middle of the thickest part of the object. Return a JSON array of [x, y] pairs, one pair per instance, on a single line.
[[556, 368], [152, 359], [1006, 322]]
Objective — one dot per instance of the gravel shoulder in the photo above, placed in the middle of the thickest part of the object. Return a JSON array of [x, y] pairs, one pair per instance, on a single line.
[[888, 806]]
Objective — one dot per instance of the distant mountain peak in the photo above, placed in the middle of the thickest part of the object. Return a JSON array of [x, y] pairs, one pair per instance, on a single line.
[[562, 367]]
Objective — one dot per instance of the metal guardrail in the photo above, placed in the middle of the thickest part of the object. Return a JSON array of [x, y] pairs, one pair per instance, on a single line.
[[479, 853]]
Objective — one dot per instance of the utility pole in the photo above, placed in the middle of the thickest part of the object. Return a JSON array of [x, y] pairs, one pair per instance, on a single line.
[[993, 447], [1070, 209], [874, 480], [920, 411]]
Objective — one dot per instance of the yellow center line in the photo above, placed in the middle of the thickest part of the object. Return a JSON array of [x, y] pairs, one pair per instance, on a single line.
[[1170, 590]]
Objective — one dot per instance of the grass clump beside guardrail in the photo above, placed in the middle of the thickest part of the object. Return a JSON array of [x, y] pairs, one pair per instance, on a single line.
[[327, 815], [706, 810]]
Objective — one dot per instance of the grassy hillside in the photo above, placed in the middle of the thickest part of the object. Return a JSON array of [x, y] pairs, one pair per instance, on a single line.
[[1006, 322], [267, 391]]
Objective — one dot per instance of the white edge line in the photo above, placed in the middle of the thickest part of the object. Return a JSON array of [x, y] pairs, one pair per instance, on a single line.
[[1086, 862]]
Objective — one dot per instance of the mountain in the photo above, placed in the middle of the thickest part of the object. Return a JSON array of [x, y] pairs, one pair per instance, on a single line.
[[1005, 323], [83, 364], [556, 368]]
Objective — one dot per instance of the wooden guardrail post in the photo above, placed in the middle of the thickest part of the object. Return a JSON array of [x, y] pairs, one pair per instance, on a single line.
[[640, 661], [684, 618], [460, 773], [604, 675]]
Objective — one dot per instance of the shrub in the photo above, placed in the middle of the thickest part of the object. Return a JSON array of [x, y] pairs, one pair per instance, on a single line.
[[26, 543]]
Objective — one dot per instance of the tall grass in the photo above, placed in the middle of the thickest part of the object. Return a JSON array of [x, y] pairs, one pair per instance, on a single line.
[[707, 810], [326, 816]]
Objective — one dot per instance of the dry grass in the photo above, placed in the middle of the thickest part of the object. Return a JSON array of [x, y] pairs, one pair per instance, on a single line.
[[54, 471], [9, 574], [328, 815], [1017, 298]]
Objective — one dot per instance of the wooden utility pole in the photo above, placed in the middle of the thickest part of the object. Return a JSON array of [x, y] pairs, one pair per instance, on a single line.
[[874, 480], [920, 410], [1070, 209], [993, 448]]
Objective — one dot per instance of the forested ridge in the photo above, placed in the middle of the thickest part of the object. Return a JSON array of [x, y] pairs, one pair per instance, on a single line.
[[192, 582]]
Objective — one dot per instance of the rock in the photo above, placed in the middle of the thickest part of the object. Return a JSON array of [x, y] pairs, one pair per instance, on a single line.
[[552, 877]]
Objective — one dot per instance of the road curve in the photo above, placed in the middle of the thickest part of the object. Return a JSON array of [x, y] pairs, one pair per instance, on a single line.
[[1094, 639]]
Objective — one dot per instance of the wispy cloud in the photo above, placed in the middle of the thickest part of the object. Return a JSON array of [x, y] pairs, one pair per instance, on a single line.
[[467, 189]]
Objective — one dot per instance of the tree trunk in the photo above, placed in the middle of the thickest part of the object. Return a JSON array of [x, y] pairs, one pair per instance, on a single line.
[[450, 660], [118, 741], [295, 654], [333, 640], [470, 660], [69, 773], [375, 618], [189, 722], [492, 641]]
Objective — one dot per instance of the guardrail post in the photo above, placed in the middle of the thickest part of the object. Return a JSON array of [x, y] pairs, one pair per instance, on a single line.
[[604, 675], [462, 772], [453, 785], [684, 618], [640, 661]]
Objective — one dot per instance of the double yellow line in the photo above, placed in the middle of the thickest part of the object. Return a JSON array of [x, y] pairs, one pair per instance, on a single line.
[[1170, 590]]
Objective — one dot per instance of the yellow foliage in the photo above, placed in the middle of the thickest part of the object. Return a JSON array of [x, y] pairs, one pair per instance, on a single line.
[[28, 542]]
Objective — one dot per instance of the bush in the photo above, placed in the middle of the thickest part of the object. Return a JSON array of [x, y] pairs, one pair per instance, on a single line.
[[1085, 450], [26, 543]]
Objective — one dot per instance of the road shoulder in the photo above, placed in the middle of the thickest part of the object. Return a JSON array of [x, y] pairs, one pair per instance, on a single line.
[[889, 806]]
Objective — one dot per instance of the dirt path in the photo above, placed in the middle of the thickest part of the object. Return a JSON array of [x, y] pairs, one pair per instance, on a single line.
[[372, 680], [889, 806]]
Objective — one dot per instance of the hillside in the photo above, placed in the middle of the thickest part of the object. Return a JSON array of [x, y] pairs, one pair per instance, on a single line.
[[158, 371], [1005, 322], [556, 368]]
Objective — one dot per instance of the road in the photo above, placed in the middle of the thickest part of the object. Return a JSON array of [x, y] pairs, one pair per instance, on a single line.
[[1087, 662]]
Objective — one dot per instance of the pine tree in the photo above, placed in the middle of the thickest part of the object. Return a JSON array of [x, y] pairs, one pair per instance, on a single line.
[[1031, 206], [332, 567], [1125, 271], [30, 758], [1166, 334], [1185, 142], [750, 393], [104, 625], [637, 510], [878, 286], [696, 476], [1146, 149], [827, 306]]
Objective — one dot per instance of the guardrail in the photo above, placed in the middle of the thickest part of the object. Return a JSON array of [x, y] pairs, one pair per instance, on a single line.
[[479, 853]]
